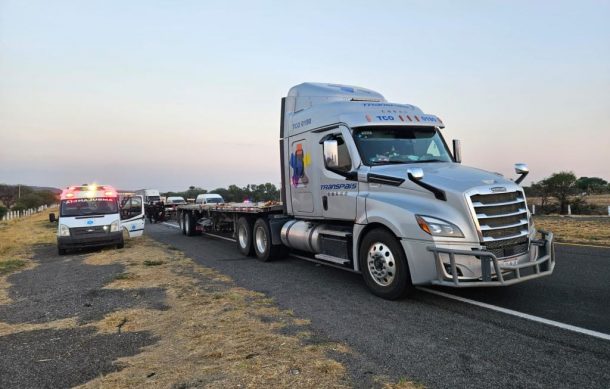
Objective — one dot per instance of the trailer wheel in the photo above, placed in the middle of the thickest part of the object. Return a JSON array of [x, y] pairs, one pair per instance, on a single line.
[[244, 236], [182, 222], [61, 251], [261, 239], [384, 265], [190, 223]]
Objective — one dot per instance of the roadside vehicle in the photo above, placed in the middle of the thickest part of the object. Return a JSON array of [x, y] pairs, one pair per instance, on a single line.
[[149, 195], [171, 205], [90, 216], [372, 187], [209, 198]]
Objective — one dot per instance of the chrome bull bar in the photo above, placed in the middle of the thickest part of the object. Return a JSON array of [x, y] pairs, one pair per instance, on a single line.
[[505, 274]]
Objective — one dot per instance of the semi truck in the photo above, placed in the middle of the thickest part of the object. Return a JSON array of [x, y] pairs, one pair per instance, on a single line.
[[372, 187]]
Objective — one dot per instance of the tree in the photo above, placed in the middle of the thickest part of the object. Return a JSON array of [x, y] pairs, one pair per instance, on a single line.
[[591, 184], [8, 195], [561, 185], [541, 190]]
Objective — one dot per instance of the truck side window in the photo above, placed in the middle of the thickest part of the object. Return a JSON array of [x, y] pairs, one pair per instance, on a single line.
[[344, 159]]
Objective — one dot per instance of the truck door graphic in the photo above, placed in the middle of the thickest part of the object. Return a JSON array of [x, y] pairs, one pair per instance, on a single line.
[[299, 161]]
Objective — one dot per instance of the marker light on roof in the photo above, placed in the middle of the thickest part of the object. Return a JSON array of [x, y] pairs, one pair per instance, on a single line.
[[109, 193], [70, 195]]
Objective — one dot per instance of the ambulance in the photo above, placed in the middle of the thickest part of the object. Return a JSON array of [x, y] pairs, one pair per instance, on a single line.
[[91, 216]]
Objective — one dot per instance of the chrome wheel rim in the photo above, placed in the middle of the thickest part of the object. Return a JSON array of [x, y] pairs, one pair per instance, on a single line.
[[261, 239], [381, 264], [242, 236]]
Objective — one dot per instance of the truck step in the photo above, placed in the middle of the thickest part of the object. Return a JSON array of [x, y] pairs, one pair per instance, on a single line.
[[330, 258], [337, 233]]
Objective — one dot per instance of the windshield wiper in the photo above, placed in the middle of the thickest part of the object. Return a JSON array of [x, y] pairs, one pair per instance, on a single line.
[[428, 160], [388, 162]]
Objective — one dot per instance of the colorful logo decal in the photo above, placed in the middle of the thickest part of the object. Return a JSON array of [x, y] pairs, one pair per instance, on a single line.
[[89, 222], [299, 161]]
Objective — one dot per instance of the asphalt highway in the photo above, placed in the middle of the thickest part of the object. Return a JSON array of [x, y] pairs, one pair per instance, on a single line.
[[440, 342]]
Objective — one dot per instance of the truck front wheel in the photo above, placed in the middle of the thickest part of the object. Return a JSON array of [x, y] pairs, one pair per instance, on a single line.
[[244, 236], [384, 265]]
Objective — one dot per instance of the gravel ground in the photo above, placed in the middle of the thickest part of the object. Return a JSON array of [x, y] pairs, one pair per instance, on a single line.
[[60, 288]]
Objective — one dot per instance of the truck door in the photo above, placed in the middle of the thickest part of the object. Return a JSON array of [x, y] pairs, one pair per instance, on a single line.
[[338, 180], [132, 215]]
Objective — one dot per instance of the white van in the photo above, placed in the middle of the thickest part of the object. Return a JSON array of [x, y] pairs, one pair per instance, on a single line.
[[90, 216], [209, 198]]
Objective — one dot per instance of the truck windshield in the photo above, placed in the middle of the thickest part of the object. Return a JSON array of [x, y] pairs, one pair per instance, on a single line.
[[87, 207], [401, 144], [214, 200]]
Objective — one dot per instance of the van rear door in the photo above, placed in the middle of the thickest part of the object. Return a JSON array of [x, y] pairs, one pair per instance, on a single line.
[[132, 215]]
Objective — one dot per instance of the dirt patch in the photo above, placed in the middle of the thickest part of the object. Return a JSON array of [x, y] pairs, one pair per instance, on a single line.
[[580, 230], [212, 335]]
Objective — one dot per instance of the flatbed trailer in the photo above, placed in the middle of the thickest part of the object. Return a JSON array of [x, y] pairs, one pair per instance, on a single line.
[[239, 219]]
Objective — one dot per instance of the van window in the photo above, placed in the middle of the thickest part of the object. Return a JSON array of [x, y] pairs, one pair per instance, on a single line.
[[86, 207]]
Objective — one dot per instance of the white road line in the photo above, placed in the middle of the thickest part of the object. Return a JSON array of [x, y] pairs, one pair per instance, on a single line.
[[522, 315], [220, 237], [526, 316]]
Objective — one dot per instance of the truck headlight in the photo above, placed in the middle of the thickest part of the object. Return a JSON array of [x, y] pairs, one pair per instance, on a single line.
[[438, 227], [64, 230], [114, 226]]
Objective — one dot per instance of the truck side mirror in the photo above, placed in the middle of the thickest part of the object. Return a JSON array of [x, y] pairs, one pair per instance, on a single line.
[[457, 151], [52, 218], [521, 168], [415, 173], [331, 153]]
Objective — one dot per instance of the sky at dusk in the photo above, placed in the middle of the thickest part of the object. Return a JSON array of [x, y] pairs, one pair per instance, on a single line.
[[168, 94]]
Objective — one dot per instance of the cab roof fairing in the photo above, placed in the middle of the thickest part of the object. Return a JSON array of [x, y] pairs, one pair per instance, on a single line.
[[357, 114], [310, 94]]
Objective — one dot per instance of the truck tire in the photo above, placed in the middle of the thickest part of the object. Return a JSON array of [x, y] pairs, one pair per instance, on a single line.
[[61, 251], [189, 224], [244, 236], [182, 222], [261, 240], [384, 265]]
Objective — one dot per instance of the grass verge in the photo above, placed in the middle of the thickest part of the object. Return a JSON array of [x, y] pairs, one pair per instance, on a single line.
[[17, 241], [213, 334], [580, 230]]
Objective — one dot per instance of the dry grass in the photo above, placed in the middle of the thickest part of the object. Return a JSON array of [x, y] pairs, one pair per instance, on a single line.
[[17, 240], [213, 334], [212, 338], [581, 230]]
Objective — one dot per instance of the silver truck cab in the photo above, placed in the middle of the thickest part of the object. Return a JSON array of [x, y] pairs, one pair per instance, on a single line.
[[374, 186]]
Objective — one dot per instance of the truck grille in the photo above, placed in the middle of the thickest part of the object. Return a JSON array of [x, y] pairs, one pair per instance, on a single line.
[[503, 222], [80, 231]]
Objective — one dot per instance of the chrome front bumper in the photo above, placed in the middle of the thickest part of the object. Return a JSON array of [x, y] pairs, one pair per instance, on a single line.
[[493, 271]]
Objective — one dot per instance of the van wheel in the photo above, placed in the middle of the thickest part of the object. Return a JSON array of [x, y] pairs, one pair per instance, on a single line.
[[261, 240], [384, 265], [244, 236]]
